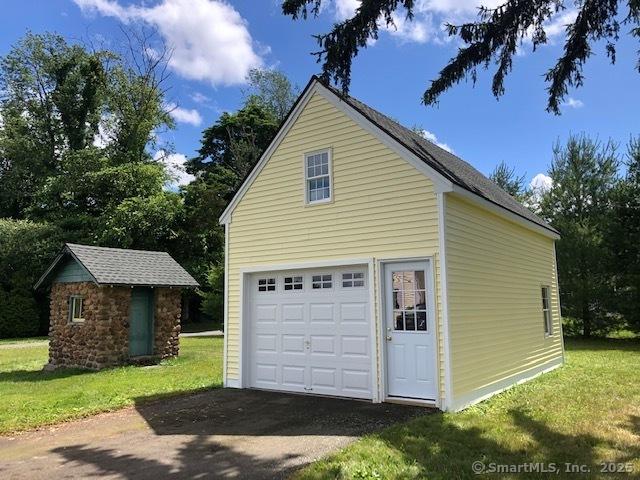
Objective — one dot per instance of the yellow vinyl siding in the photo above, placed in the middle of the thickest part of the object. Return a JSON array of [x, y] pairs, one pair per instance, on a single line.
[[381, 207], [495, 271]]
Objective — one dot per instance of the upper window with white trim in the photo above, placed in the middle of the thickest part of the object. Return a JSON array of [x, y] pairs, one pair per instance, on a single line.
[[317, 173], [76, 310]]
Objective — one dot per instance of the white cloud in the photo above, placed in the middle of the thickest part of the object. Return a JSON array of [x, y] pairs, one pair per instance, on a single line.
[[573, 103], [345, 8], [433, 139], [200, 97], [174, 162], [541, 183], [557, 26], [184, 115], [209, 39]]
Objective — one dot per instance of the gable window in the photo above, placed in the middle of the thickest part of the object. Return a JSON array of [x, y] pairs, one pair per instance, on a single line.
[[293, 283], [76, 314], [266, 284], [317, 173], [352, 279], [321, 281], [546, 311]]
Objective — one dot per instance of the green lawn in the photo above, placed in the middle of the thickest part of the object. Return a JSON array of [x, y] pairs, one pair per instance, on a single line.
[[31, 397], [585, 413]]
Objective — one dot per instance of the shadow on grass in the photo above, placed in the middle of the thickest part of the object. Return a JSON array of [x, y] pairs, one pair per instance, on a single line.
[[622, 344], [438, 447], [41, 375]]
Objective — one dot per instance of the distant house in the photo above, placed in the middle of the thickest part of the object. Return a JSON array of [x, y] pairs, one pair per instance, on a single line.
[[364, 261], [110, 306]]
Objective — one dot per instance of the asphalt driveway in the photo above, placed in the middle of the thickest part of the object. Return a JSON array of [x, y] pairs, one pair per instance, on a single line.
[[214, 434]]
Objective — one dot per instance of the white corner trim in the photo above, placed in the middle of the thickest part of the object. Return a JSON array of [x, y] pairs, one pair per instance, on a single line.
[[503, 212], [561, 332], [233, 383], [464, 401], [444, 301], [225, 381]]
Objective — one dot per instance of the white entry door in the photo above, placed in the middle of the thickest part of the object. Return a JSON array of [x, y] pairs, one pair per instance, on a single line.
[[409, 329], [310, 331]]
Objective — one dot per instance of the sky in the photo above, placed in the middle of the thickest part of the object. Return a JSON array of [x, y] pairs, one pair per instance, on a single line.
[[215, 43]]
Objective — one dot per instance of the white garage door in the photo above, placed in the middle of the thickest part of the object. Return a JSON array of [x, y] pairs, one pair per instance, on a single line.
[[309, 331]]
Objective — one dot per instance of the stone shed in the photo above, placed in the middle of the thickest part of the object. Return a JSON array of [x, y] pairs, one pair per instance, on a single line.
[[112, 306]]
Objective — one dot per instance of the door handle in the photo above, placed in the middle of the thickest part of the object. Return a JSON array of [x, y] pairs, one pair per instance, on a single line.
[[389, 334], [388, 338]]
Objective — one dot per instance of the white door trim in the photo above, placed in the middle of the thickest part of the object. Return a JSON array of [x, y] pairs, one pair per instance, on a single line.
[[381, 325], [246, 272]]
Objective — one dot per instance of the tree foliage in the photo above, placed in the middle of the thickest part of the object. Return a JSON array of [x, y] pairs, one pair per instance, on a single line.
[[76, 142], [507, 179], [492, 39], [584, 172]]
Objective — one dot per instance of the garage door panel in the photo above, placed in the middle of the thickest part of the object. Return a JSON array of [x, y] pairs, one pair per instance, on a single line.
[[355, 346], [353, 313], [293, 314], [266, 343], [293, 376], [314, 340], [322, 313], [322, 345], [293, 343]]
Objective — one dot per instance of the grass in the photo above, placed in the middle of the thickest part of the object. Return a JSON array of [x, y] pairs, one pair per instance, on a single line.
[[585, 413], [33, 398]]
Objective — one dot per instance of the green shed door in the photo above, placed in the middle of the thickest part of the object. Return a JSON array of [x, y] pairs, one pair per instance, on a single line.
[[141, 322]]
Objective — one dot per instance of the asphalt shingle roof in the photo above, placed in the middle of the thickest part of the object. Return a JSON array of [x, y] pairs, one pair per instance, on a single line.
[[118, 266], [449, 165]]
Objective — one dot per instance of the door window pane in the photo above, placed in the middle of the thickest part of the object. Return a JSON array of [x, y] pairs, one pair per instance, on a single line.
[[409, 297]]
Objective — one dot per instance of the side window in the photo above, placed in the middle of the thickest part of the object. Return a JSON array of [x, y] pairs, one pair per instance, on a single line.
[[266, 284], [321, 281], [546, 311], [293, 283], [76, 312], [352, 279]]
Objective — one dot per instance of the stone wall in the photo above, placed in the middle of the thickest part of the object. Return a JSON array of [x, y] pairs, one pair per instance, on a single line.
[[103, 339], [167, 321]]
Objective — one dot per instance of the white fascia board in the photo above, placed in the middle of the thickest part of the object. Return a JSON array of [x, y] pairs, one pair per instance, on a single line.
[[441, 183], [503, 212]]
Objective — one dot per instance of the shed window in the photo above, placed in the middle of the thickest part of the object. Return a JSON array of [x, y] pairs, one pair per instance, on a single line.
[[317, 172], [546, 311], [76, 313]]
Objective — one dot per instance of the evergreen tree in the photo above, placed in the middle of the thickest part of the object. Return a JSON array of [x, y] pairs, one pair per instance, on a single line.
[[493, 39], [505, 177], [584, 172], [623, 239]]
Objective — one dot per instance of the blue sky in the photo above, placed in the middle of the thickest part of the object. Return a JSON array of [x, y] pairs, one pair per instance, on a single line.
[[216, 42]]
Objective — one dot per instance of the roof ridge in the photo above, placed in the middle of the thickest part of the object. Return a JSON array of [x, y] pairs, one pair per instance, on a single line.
[[97, 247]]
